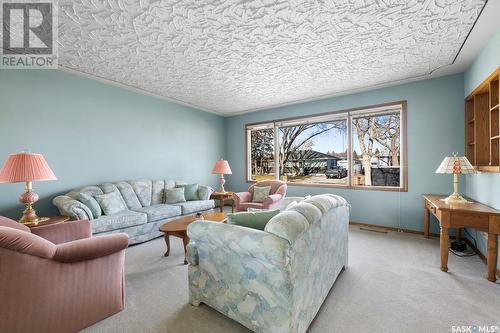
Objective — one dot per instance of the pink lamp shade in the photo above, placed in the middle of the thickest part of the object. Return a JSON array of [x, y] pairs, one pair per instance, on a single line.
[[222, 168], [25, 167]]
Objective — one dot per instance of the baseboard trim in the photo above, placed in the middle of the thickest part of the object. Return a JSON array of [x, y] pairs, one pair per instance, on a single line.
[[410, 231]]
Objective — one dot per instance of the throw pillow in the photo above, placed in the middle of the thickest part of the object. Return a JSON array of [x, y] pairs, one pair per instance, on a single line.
[[174, 195], [260, 193], [190, 191], [254, 220], [111, 203], [91, 203]]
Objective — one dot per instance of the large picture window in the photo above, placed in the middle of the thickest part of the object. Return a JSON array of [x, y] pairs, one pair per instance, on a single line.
[[361, 148]]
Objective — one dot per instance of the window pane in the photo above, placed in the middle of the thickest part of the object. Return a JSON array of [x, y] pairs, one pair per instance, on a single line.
[[262, 154], [314, 153], [376, 150]]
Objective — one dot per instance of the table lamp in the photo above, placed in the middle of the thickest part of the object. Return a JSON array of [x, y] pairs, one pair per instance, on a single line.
[[27, 167], [222, 168], [456, 165]]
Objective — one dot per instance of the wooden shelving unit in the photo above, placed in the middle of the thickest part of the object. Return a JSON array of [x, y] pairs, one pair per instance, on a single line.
[[482, 125]]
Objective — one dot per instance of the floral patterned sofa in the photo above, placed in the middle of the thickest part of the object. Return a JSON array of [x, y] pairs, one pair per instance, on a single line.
[[273, 280], [145, 200]]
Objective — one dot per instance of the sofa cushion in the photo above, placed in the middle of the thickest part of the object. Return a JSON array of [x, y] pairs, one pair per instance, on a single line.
[[309, 211], [158, 194], [252, 219], [128, 195], [111, 203], [189, 207], [288, 225], [158, 212], [123, 219], [91, 204], [190, 191], [323, 202], [144, 191]]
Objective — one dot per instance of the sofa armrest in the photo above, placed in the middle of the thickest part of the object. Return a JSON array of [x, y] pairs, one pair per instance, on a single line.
[[204, 192], [237, 240], [272, 199], [25, 242], [241, 197], [91, 248], [72, 208], [64, 232]]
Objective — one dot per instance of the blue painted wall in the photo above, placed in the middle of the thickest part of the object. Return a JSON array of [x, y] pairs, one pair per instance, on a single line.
[[483, 187], [90, 132], [435, 130]]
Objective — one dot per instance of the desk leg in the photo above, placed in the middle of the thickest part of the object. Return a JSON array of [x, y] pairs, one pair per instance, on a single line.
[[221, 203], [426, 221], [458, 234], [443, 246], [492, 256]]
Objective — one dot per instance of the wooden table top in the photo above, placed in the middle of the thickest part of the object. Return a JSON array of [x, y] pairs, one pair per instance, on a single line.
[[48, 220], [182, 223], [471, 207], [222, 194]]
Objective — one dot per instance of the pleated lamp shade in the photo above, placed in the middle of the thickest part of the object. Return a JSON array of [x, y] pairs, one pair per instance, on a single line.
[[222, 167], [25, 167], [456, 164]]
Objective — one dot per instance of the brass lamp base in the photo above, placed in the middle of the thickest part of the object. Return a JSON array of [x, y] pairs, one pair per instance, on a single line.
[[455, 198]]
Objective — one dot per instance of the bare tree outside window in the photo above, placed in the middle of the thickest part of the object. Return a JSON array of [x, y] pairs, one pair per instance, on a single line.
[[318, 149], [262, 154], [378, 138]]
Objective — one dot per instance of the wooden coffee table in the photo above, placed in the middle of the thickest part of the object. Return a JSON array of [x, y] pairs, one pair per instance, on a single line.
[[178, 228]]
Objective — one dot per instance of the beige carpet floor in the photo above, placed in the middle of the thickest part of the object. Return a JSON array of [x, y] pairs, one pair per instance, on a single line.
[[393, 284]]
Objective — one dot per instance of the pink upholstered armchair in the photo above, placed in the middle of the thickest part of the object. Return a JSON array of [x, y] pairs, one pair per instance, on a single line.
[[243, 200], [57, 278]]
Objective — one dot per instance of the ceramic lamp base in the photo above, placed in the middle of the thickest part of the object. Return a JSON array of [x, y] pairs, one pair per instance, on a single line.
[[222, 182], [29, 214]]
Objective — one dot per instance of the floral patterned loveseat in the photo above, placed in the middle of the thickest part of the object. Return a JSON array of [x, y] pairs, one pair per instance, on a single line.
[[273, 280]]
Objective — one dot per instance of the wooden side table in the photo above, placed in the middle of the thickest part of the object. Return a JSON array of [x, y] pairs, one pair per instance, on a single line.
[[469, 215], [222, 197], [49, 220]]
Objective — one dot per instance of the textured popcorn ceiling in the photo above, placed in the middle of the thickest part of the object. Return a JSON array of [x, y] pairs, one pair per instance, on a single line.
[[235, 56]]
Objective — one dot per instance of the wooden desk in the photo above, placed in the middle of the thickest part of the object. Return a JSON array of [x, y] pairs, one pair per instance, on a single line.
[[469, 215]]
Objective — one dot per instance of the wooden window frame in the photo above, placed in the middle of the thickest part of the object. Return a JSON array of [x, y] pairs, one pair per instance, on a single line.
[[403, 147]]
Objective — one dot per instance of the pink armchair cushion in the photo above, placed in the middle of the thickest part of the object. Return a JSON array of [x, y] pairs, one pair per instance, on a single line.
[[25, 242], [6, 222], [64, 232], [91, 248]]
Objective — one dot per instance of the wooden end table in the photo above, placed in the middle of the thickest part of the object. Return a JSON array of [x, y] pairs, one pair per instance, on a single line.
[[467, 215], [222, 197], [48, 220], [178, 228]]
